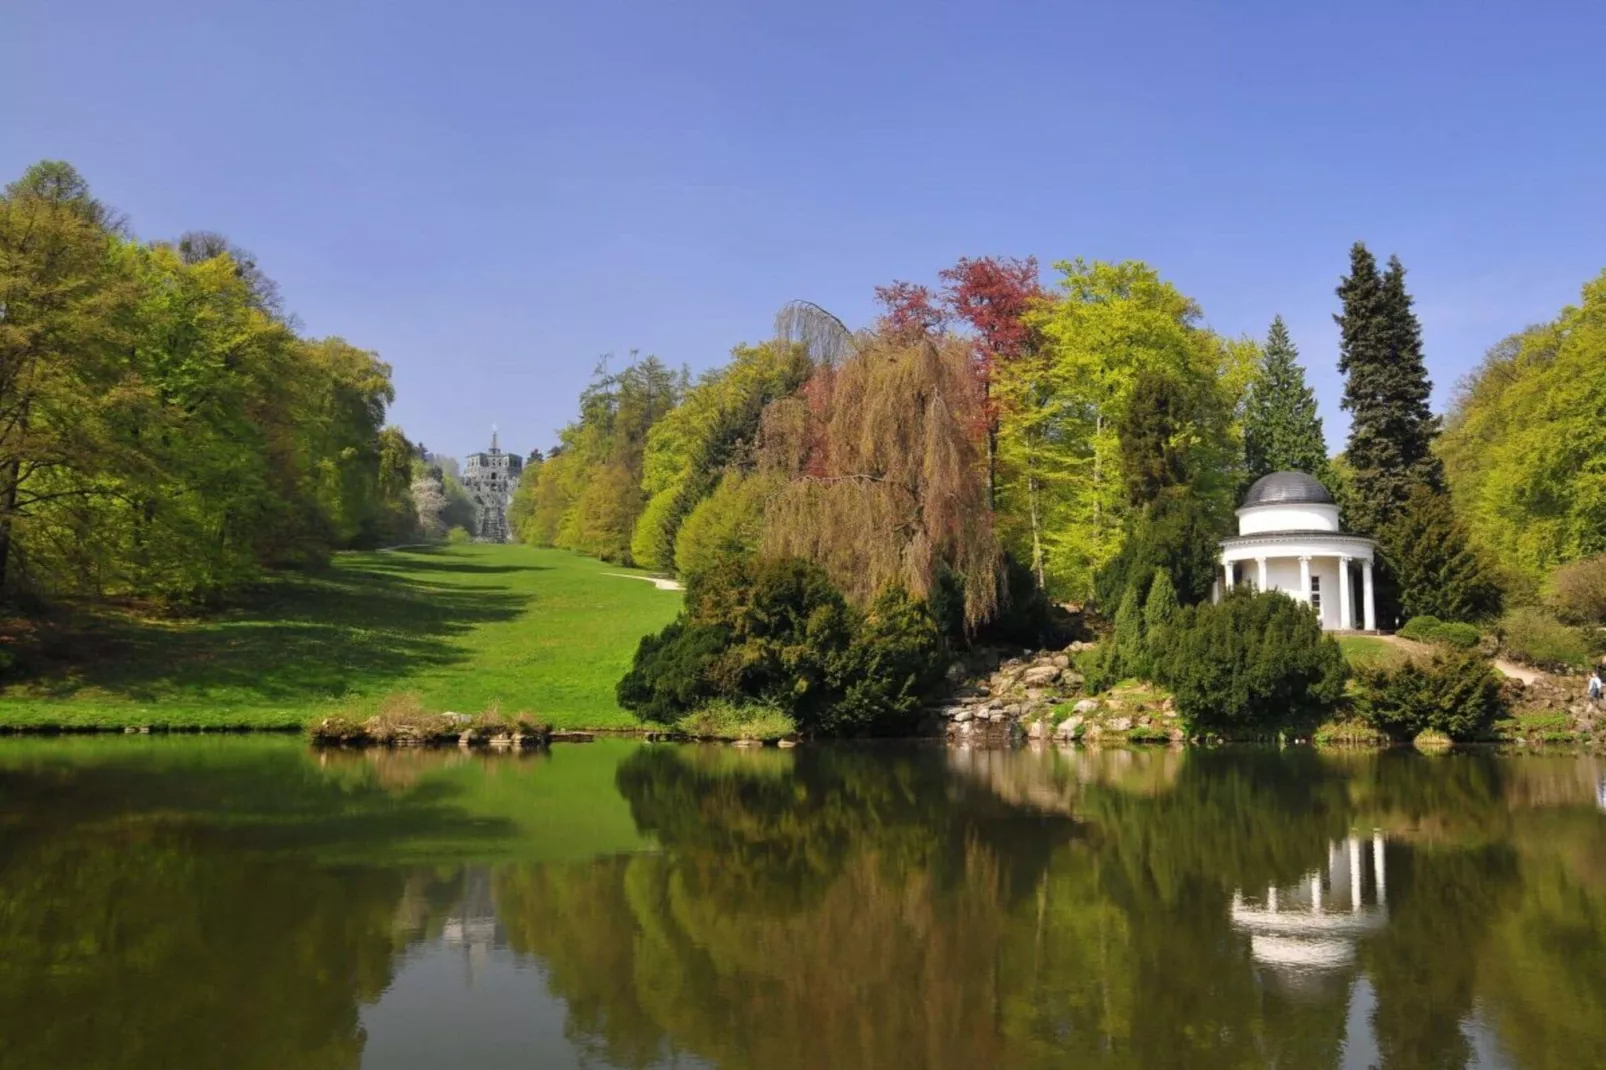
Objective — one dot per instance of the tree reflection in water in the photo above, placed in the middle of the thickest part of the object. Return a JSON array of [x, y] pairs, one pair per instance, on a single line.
[[852, 908], [235, 904]]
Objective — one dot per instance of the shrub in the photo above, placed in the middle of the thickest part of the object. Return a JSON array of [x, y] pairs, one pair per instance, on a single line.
[[670, 671], [1535, 636], [1129, 635], [1430, 629], [778, 633], [894, 663], [1460, 636], [1250, 660], [1420, 629], [1578, 591], [1455, 692], [1100, 667], [457, 536]]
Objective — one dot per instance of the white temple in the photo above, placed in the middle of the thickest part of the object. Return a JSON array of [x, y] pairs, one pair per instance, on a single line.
[[1318, 923], [1288, 540]]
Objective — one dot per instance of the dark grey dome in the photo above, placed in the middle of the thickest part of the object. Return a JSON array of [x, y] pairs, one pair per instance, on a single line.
[[1287, 488]]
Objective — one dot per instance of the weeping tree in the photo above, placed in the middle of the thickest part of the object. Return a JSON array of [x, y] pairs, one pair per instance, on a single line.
[[884, 483]]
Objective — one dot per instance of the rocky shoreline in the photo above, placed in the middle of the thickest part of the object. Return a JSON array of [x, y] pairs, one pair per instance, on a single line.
[[1002, 700]]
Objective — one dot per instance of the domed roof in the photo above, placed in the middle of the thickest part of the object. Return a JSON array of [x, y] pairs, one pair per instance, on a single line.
[[1287, 488]]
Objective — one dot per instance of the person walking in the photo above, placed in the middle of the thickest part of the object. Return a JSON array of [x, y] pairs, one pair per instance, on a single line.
[[1595, 685]]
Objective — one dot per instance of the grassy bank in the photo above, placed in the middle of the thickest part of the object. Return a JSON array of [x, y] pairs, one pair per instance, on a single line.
[[463, 627]]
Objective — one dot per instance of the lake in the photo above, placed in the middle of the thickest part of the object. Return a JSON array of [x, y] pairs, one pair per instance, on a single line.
[[245, 902]]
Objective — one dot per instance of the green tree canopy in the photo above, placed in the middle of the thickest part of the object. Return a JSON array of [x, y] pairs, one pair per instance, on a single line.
[[1282, 432]]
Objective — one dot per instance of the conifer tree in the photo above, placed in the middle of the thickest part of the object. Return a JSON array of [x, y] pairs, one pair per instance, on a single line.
[[1439, 575], [1386, 390], [1282, 431]]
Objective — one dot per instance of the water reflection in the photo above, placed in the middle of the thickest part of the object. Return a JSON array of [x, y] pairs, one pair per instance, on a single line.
[[246, 903]]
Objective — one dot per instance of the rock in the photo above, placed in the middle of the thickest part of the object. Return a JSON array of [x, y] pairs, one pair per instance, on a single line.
[[1014, 710], [787, 744], [458, 718], [1120, 724], [1067, 728], [1062, 661], [1040, 675], [962, 716], [956, 672], [1087, 705], [1072, 679], [747, 742], [1037, 730], [997, 716]]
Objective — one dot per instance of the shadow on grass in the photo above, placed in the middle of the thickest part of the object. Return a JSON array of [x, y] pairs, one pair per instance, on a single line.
[[300, 638]]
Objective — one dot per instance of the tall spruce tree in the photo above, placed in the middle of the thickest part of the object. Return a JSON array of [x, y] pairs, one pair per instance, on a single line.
[[1281, 429], [1386, 390]]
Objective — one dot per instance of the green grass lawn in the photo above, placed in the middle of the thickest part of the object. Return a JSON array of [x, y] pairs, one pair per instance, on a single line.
[[1368, 651], [542, 631]]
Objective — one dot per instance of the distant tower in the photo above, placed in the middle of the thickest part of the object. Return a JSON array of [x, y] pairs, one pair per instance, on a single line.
[[490, 479]]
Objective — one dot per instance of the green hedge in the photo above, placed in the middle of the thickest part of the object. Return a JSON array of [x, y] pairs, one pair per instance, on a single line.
[[1429, 629], [1252, 660], [780, 634], [1456, 692]]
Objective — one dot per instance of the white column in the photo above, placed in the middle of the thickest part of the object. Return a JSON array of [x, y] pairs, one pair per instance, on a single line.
[[1355, 874], [1230, 569], [1366, 596], [1215, 590], [1271, 899], [1346, 619], [1377, 864], [1304, 580], [1316, 893], [1260, 584]]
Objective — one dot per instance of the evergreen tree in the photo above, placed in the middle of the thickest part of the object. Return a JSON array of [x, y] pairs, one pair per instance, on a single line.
[[1438, 574], [1282, 432], [1386, 389]]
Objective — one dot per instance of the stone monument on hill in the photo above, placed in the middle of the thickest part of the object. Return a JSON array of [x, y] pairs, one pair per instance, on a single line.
[[490, 479]]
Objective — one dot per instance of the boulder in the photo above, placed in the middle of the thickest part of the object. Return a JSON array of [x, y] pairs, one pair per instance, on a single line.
[[1067, 728], [1087, 705], [1037, 730], [961, 716], [1120, 724], [1040, 675], [1062, 661]]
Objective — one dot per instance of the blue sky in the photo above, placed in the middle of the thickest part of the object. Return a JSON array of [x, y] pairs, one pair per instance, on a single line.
[[493, 195]]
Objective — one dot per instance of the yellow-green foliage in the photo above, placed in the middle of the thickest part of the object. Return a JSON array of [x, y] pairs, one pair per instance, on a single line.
[[729, 521], [1059, 446], [166, 431], [1524, 442]]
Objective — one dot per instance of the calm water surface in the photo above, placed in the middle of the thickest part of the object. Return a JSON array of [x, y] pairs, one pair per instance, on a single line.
[[245, 903]]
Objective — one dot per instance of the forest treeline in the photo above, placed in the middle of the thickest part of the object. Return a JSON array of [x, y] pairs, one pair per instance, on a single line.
[[993, 443], [165, 430], [1091, 430]]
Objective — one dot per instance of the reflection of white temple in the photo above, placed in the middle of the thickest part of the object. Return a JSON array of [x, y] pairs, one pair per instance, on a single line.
[[1316, 924]]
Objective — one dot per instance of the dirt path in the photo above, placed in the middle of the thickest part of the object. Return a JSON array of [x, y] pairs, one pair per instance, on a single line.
[[657, 581], [1516, 672], [1508, 668]]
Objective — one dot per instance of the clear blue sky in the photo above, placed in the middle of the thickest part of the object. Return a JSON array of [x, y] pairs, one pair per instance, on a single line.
[[493, 194]]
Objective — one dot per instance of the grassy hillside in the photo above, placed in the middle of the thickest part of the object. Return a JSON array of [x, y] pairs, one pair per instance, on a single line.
[[542, 631]]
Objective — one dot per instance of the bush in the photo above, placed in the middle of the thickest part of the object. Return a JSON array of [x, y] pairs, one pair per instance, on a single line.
[[1460, 636], [1251, 660], [457, 536], [1430, 629], [894, 663], [1456, 693], [1578, 591], [669, 675], [1420, 629], [1533, 635], [779, 634]]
